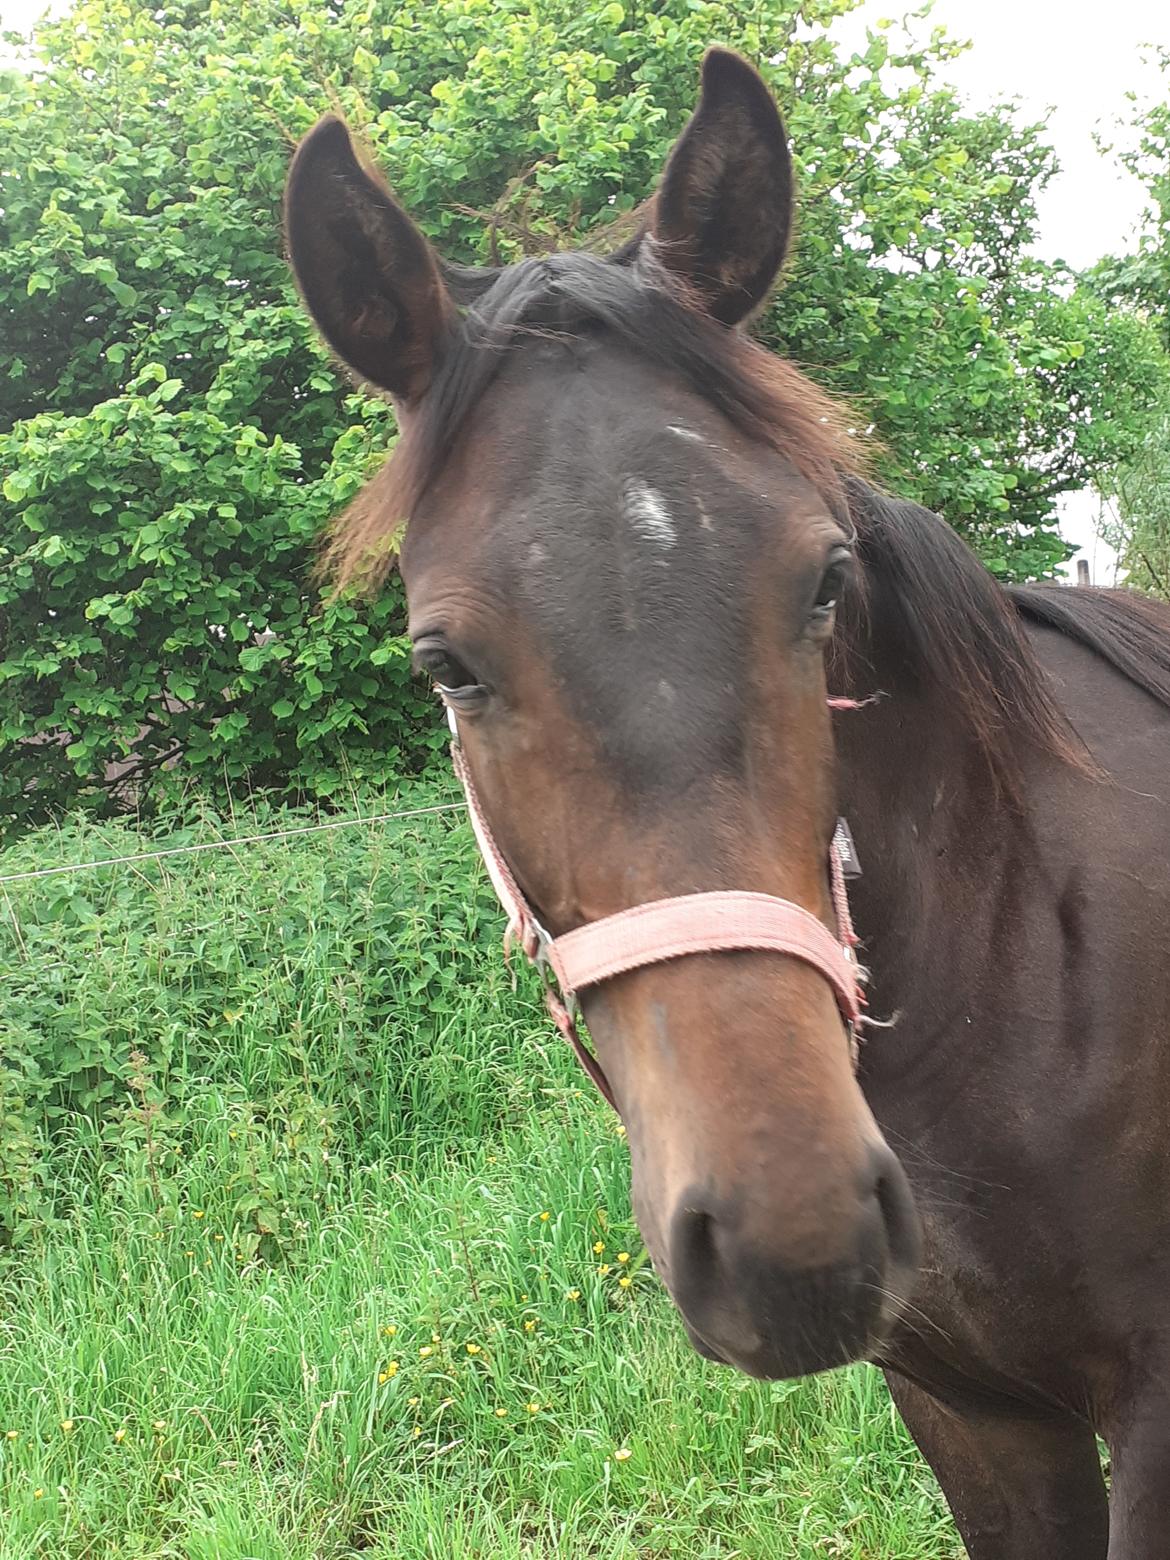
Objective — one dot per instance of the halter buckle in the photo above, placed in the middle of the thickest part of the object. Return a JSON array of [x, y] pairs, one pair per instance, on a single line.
[[541, 958]]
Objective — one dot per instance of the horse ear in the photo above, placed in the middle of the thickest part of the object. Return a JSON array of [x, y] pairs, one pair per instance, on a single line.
[[368, 276], [724, 208]]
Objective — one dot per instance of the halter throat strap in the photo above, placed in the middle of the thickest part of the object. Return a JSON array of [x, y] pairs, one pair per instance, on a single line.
[[723, 921]]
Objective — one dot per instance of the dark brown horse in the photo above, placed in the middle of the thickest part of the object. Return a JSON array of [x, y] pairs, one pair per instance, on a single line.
[[638, 560]]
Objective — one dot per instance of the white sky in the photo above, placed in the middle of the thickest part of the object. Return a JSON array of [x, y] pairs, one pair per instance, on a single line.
[[1080, 62]]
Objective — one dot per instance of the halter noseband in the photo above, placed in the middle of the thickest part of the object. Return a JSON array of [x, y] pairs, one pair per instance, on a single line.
[[715, 922]]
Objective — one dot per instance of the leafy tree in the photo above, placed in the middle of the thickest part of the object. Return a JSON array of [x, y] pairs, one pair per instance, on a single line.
[[172, 437], [1137, 517], [1143, 279], [1137, 489]]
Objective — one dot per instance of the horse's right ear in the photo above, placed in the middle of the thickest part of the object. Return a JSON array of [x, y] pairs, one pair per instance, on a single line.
[[367, 275]]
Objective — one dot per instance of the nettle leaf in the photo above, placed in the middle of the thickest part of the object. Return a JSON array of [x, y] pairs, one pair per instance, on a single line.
[[18, 485]]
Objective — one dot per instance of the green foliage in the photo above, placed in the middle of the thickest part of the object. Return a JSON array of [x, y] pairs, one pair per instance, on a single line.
[[1136, 523], [176, 618], [1143, 279], [172, 438], [1137, 489], [293, 1140], [281, 974]]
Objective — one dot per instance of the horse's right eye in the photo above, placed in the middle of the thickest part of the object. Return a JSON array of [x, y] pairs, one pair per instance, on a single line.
[[448, 674]]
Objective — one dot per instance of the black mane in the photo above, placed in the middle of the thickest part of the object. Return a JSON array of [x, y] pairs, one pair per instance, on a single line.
[[1125, 628], [955, 627]]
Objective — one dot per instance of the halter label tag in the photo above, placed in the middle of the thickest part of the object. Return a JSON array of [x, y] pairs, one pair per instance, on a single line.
[[846, 850]]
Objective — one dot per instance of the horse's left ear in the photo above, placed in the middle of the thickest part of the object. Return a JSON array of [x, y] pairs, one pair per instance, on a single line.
[[724, 208]]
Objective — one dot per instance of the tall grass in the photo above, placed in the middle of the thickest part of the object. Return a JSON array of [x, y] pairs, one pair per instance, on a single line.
[[316, 1246]]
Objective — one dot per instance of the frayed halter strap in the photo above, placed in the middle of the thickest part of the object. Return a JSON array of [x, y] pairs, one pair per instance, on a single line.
[[665, 929]]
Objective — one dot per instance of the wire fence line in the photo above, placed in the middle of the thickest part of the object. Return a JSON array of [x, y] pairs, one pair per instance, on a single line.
[[243, 839]]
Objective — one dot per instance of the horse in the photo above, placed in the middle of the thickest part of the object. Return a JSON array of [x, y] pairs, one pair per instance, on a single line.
[[680, 634]]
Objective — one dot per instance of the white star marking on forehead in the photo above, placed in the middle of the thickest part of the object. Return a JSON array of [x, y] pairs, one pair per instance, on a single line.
[[645, 509]]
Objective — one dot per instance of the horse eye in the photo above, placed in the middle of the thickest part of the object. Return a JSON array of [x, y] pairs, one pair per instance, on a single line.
[[448, 674], [446, 671], [832, 584]]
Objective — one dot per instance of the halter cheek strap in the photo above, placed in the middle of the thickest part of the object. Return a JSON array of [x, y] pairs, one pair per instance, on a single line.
[[717, 922]]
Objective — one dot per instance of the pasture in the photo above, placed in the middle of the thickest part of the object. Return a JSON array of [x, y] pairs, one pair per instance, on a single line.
[[316, 1244]]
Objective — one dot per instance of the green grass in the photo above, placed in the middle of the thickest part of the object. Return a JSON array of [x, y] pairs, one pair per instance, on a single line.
[[277, 1142]]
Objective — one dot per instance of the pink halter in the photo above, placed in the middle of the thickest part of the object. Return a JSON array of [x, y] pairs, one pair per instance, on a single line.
[[665, 929]]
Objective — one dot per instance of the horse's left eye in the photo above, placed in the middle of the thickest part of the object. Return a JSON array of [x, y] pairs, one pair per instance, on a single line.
[[833, 582]]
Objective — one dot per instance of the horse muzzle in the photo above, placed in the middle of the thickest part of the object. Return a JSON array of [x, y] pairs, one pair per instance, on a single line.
[[745, 1304]]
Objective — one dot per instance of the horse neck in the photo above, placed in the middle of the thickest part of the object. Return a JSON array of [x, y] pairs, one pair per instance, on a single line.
[[938, 775], [934, 837]]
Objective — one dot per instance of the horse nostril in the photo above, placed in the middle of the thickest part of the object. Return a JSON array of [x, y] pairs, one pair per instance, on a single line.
[[694, 1248], [894, 1198]]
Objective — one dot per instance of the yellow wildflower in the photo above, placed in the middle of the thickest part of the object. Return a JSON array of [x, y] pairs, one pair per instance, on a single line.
[[435, 1338], [413, 1402], [219, 1237], [530, 1324], [473, 1348], [620, 1129], [622, 1453], [388, 1332], [623, 1256], [67, 1425], [37, 1494], [120, 1433], [625, 1281], [574, 1294], [501, 1413], [11, 1435], [534, 1408], [198, 1213], [603, 1269], [425, 1351], [417, 1431], [598, 1247], [160, 1424], [544, 1218]]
